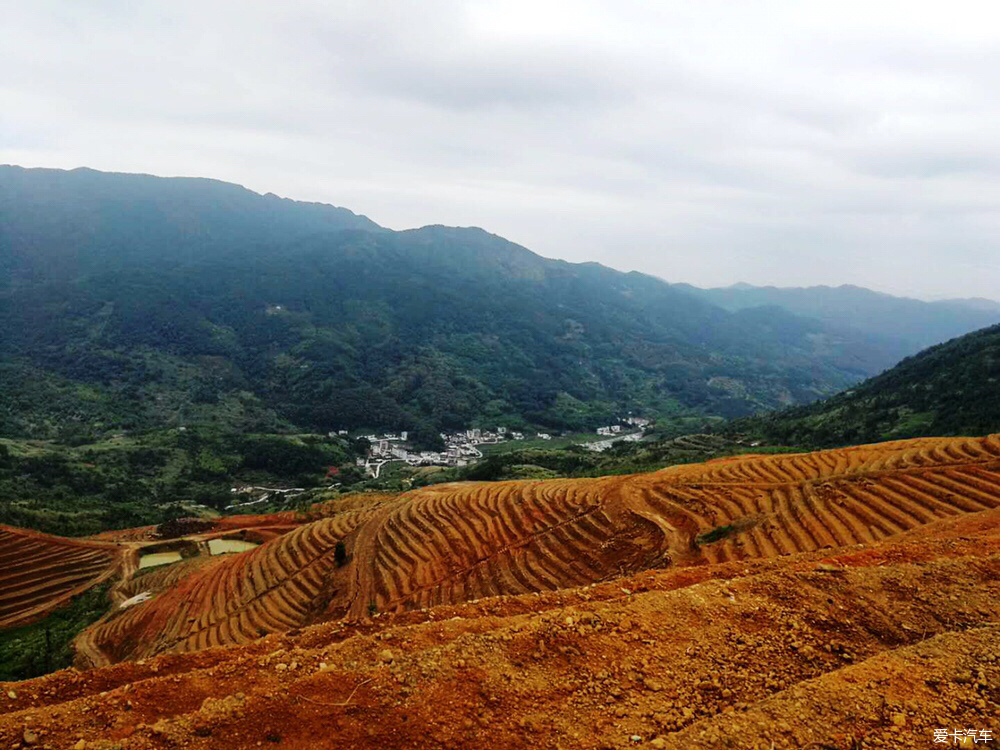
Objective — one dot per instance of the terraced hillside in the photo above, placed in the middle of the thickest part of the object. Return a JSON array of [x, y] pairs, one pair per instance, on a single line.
[[226, 600], [455, 543], [39, 572], [766, 506], [873, 646]]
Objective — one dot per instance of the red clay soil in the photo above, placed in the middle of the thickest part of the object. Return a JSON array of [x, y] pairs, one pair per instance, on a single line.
[[453, 543], [845, 599], [39, 572], [871, 646]]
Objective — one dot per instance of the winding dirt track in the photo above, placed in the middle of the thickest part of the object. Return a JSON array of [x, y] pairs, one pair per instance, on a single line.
[[463, 542]]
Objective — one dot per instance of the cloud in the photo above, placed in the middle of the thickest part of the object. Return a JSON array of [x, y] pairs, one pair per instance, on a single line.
[[772, 142]]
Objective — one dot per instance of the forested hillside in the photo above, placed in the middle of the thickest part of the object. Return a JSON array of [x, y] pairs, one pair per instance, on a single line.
[[156, 476], [133, 302], [949, 389]]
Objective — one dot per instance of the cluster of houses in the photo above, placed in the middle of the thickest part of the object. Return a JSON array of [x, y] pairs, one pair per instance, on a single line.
[[599, 446], [636, 423], [629, 429], [462, 448]]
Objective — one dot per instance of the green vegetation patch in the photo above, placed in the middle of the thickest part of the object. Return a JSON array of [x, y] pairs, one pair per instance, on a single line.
[[716, 534], [46, 646], [153, 477]]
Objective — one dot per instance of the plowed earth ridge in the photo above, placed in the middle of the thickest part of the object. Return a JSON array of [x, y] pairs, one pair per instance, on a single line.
[[869, 646], [39, 572], [840, 599], [460, 542]]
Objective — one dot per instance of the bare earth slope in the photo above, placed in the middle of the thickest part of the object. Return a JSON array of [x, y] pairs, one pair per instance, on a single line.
[[454, 543], [869, 646], [39, 572], [845, 599]]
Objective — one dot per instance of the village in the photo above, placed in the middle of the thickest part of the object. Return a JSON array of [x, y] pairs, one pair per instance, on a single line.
[[462, 448], [631, 430]]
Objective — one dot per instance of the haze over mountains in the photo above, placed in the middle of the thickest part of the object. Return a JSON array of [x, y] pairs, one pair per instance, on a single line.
[[913, 323], [134, 301], [949, 389]]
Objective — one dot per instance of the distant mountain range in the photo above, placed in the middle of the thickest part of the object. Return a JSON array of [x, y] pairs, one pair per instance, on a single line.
[[131, 301], [949, 389], [910, 323]]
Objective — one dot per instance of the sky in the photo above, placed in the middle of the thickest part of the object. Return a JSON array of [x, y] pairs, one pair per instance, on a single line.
[[787, 143]]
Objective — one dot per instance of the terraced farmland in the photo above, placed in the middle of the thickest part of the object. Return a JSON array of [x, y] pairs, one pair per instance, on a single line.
[[461, 542], [776, 505], [901, 638], [227, 599], [39, 572]]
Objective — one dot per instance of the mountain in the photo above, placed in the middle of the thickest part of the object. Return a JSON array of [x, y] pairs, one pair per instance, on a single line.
[[63, 224], [907, 324], [949, 389], [132, 301], [976, 303]]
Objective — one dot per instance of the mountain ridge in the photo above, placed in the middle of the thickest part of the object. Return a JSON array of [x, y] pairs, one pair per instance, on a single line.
[[914, 324], [195, 294], [157, 302]]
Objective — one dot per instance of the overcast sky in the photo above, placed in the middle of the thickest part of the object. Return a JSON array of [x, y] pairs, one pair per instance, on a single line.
[[783, 143]]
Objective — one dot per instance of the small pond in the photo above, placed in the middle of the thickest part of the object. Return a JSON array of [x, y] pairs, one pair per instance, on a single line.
[[159, 558], [226, 546]]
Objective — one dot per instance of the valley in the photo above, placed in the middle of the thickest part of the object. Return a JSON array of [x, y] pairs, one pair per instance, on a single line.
[[203, 303], [274, 474]]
